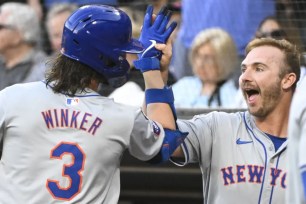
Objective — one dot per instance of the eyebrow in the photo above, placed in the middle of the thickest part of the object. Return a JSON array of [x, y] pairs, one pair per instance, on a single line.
[[253, 64]]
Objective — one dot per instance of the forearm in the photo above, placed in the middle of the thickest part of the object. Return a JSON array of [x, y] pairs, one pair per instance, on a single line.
[[164, 75], [154, 63], [160, 112]]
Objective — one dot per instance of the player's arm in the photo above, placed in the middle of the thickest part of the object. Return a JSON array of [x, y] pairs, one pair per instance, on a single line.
[[154, 62]]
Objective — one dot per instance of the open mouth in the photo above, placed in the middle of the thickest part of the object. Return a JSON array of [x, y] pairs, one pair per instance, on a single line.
[[251, 94]]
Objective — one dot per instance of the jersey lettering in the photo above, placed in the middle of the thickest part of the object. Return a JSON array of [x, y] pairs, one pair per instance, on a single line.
[[256, 173], [252, 174], [274, 174], [228, 175], [74, 121], [240, 173], [66, 118], [71, 171]]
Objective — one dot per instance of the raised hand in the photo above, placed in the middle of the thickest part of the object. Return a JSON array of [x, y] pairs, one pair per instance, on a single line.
[[152, 33]]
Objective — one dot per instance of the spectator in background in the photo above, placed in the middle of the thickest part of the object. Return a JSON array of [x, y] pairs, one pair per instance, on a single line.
[[213, 57], [239, 18], [294, 12], [276, 28], [56, 18], [270, 27], [21, 60], [35, 4]]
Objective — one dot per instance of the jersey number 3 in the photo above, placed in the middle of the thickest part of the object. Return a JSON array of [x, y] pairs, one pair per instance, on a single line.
[[71, 171]]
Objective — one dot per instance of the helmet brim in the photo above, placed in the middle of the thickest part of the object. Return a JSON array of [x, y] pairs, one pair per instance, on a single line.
[[133, 47]]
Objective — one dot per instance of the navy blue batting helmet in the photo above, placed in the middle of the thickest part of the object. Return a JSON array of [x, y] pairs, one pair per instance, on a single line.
[[99, 36]]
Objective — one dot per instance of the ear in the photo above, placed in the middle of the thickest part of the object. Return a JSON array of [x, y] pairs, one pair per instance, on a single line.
[[288, 80]]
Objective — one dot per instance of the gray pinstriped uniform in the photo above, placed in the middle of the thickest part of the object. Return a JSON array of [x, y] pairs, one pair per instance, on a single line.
[[238, 161]]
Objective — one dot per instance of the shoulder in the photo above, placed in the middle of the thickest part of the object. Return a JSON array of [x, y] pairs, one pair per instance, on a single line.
[[218, 117], [213, 123], [21, 91]]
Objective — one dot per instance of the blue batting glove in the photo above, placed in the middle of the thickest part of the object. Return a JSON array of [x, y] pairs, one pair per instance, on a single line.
[[157, 32]]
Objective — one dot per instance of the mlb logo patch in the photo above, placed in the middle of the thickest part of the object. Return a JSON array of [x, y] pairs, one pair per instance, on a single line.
[[156, 129], [72, 101]]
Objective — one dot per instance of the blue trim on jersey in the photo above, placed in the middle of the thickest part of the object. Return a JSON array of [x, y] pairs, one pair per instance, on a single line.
[[80, 96], [273, 186], [277, 141], [186, 150], [303, 174], [264, 175], [303, 168], [84, 96]]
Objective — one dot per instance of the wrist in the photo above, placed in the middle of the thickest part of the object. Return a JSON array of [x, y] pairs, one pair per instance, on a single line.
[[153, 79], [147, 64], [165, 74]]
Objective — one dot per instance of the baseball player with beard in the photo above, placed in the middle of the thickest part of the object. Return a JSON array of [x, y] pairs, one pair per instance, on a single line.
[[296, 193], [63, 142], [242, 155]]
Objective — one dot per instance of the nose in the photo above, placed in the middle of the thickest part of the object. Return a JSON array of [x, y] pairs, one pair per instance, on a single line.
[[246, 75]]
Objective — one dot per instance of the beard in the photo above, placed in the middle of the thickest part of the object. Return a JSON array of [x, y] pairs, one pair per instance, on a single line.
[[270, 98]]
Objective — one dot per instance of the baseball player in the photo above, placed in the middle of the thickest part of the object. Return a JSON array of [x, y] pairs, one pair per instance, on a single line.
[[296, 193], [242, 155], [63, 142]]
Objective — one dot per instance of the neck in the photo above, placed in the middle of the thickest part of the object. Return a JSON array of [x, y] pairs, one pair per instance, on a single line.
[[15, 55]]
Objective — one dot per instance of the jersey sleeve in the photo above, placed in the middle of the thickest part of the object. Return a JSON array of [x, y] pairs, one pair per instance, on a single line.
[[146, 138], [198, 143]]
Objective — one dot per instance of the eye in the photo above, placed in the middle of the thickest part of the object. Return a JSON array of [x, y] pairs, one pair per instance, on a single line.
[[259, 69], [243, 69]]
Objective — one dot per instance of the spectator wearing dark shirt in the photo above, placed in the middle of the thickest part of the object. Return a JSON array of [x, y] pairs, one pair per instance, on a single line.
[[21, 60]]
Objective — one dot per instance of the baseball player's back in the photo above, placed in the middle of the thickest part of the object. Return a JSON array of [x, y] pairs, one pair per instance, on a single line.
[[59, 148]]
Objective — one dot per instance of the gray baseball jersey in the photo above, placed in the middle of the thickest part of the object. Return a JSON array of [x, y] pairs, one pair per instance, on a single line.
[[297, 146], [59, 149], [238, 161]]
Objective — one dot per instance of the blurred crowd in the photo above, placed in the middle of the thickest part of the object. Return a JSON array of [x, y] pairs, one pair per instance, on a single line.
[[208, 43]]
